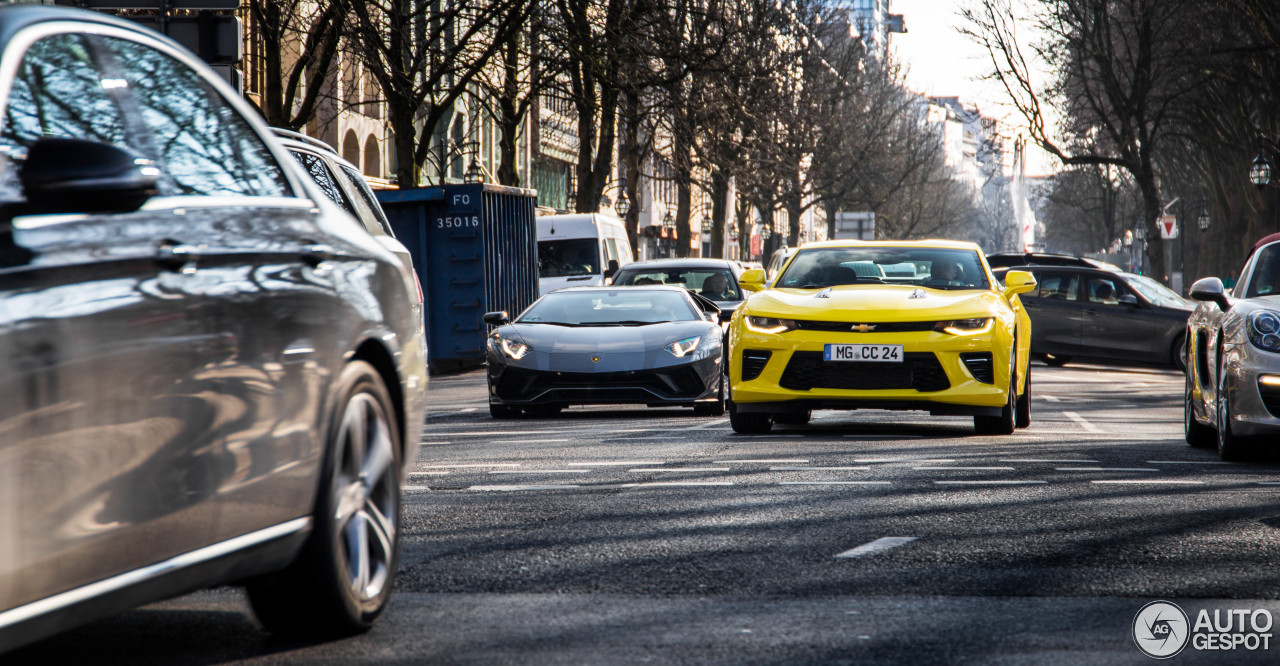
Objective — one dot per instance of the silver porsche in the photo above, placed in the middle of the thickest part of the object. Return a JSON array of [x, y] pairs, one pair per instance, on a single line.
[[1233, 357]]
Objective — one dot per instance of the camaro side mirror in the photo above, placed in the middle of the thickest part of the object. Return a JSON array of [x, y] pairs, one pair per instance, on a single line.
[[752, 280], [80, 176], [1018, 282], [1210, 290], [499, 318]]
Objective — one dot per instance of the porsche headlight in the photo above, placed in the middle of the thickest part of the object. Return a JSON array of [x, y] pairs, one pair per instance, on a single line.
[[770, 325], [682, 348], [973, 326], [513, 349], [1264, 330]]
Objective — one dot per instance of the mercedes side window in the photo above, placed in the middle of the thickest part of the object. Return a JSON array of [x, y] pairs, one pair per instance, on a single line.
[[1057, 286], [58, 92], [204, 146], [323, 177]]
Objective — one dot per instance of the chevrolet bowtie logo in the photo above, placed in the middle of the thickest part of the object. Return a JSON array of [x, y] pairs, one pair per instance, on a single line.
[[863, 328], [595, 359]]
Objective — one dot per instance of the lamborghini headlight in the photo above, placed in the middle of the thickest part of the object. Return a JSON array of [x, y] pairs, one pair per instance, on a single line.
[[1264, 330], [770, 325], [514, 350], [974, 326], [682, 348]]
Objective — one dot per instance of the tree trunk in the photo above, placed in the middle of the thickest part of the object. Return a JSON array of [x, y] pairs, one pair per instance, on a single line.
[[719, 211], [508, 113], [682, 157]]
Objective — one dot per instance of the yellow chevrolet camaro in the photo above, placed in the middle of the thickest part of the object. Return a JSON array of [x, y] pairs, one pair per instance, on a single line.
[[917, 325]]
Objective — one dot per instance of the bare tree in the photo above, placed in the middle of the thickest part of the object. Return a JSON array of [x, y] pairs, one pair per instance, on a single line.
[[1123, 70], [299, 44], [425, 56]]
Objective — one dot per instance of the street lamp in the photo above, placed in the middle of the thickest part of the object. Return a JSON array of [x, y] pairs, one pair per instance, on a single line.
[[1203, 220], [668, 222], [1260, 172], [624, 204], [475, 173]]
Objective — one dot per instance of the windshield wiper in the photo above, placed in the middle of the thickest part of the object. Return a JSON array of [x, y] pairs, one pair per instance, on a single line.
[[624, 322]]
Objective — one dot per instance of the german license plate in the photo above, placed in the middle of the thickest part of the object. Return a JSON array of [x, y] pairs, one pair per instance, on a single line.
[[877, 353]]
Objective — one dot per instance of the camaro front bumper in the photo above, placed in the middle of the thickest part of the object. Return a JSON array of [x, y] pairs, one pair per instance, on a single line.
[[941, 373]]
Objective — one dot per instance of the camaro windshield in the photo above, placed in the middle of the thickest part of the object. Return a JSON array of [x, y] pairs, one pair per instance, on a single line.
[[938, 268], [614, 307]]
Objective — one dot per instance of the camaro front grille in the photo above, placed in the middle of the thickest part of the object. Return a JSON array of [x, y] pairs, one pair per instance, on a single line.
[[980, 366], [918, 370], [876, 327], [678, 382]]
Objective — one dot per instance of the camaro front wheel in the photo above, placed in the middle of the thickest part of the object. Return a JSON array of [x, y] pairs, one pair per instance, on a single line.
[[341, 582], [750, 423]]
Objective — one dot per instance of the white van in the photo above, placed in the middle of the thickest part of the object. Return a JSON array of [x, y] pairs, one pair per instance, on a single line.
[[580, 249]]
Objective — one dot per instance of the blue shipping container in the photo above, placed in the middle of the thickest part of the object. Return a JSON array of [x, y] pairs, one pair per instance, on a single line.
[[475, 248]]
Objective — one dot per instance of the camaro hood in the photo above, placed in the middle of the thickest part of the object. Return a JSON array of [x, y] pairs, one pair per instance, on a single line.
[[857, 302]]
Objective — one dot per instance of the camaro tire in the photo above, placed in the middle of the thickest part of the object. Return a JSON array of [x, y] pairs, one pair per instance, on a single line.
[[1022, 418], [341, 582], [753, 423], [1005, 423]]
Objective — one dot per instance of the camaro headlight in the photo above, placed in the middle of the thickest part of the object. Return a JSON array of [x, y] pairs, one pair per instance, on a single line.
[[1264, 330], [964, 326], [682, 348], [515, 350], [770, 325]]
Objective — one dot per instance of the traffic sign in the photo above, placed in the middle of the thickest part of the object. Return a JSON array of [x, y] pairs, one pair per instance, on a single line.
[[1168, 227]]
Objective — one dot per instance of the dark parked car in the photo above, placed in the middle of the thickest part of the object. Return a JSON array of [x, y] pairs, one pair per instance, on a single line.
[[654, 345], [1104, 315], [1007, 259], [209, 374], [715, 279]]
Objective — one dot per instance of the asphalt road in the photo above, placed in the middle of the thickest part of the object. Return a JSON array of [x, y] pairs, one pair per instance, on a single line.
[[633, 535]]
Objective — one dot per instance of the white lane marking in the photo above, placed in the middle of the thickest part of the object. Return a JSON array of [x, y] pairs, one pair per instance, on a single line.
[[971, 469], [835, 483], [1151, 481], [1044, 460], [539, 471], [652, 484], [748, 462], [619, 463], [709, 424], [992, 482], [1050, 398], [522, 487], [526, 441], [1083, 422], [1268, 483], [904, 460], [680, 469], [428, 473], [879, 437], [496, 433], [415, 488], [470, 465], [879, 545], [1105, 469], [819, 469], [1190, 462], [468, 409], [434, 443]]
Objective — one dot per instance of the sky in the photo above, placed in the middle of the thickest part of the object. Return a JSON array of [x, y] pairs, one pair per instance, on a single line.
[[940, 62]]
